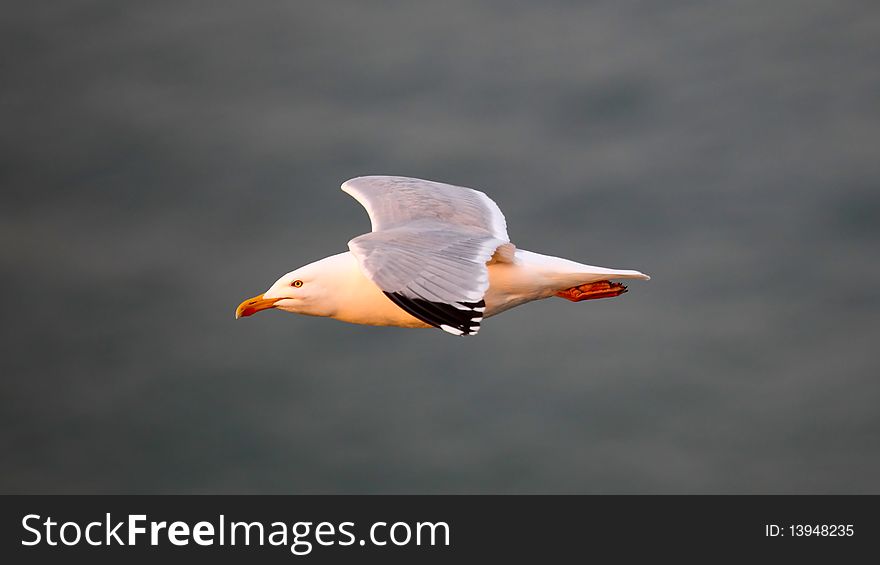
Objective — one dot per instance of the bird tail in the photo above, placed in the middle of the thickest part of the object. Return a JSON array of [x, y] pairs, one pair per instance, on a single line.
[[562, 273]]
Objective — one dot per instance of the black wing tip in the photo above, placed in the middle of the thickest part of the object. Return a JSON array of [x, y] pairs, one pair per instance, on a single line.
[[461, 320]]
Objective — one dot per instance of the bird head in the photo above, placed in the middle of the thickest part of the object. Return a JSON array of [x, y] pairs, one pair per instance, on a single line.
[[302, 291]]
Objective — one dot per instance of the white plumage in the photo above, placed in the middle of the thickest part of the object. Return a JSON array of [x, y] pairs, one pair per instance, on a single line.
[[438, 255]]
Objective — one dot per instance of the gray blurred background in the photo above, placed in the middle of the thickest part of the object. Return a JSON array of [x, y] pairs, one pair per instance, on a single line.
[[162, 161]]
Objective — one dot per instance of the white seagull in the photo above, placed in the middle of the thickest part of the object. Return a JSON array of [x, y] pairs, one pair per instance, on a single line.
[[438, 256]]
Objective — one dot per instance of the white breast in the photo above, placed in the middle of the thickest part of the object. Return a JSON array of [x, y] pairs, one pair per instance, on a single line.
[[360, 301]]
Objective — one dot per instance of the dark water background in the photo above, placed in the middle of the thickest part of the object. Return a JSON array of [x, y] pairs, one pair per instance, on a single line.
[[162, 161]]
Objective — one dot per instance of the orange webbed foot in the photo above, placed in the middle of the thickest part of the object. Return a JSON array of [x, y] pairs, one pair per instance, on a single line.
[[592, 291]]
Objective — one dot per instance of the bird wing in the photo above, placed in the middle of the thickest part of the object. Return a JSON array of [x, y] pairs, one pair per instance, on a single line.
[[429, 247]]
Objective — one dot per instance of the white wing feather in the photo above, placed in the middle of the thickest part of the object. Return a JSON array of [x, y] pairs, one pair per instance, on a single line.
[[397, 201], [430, 242]]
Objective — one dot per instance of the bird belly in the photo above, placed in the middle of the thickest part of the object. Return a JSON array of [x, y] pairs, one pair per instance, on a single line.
[[513, 284], [510, 285], [362, 302]]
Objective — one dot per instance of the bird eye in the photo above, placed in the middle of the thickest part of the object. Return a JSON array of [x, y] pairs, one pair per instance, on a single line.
[[297, 283]]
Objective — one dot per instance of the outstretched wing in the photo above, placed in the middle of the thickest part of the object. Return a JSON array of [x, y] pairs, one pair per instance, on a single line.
[[429, 247], [397, 201]]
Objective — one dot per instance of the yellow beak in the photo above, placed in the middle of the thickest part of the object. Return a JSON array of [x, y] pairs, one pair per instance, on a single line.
[[253, 305]]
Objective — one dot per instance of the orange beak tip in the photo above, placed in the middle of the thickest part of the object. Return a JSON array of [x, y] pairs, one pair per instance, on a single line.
[[253, 305]]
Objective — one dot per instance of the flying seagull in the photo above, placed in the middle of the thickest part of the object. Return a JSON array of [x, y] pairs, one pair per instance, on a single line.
[[438, 256]]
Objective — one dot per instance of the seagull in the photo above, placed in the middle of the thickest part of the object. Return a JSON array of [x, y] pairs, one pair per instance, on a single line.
[[438, 256]]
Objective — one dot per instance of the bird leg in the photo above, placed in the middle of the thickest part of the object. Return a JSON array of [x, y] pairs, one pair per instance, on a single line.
[[591, 291]]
